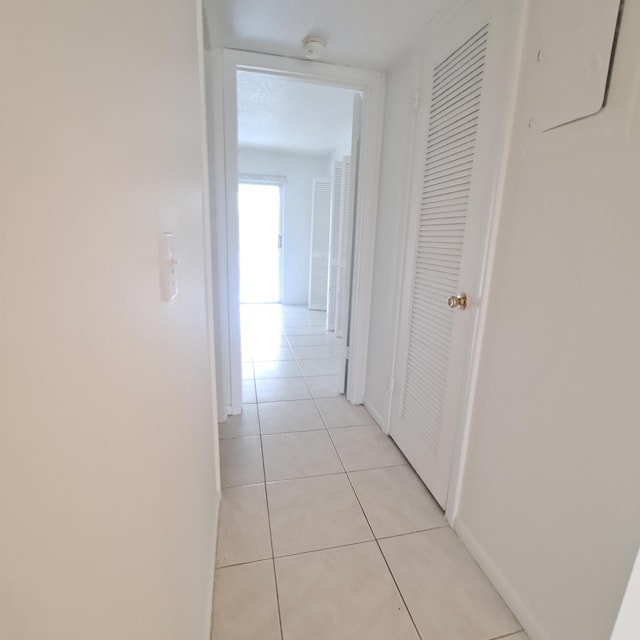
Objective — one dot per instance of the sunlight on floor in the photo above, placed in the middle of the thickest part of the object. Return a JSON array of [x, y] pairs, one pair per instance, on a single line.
[[288, 355]]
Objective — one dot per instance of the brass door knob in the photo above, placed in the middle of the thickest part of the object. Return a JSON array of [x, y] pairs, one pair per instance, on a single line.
[[458, 301]]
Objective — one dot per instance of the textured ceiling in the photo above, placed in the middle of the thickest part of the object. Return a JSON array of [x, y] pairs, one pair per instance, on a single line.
[[365, 33], [289, 115]]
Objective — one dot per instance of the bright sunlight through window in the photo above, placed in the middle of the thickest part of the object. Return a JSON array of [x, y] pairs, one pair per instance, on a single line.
[[259, 213]]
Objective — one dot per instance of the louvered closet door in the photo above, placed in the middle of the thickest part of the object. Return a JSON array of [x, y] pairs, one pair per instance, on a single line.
[[455, 170], [319, 262]]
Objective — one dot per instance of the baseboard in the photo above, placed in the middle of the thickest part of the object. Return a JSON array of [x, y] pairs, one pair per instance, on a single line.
[[376, 415], [502, 584]]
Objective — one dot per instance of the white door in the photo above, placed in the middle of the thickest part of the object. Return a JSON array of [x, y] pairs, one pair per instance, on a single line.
[[350, 166], [334, 243], [462, 113], [319, 254]]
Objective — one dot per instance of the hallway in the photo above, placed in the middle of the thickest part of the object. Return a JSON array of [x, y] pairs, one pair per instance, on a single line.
[[325, 531]]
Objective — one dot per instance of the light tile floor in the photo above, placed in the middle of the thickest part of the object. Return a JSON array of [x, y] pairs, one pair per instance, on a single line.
[[326, 533]]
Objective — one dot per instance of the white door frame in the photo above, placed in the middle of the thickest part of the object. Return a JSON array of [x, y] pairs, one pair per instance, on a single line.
[[508, 19], [371, 84]]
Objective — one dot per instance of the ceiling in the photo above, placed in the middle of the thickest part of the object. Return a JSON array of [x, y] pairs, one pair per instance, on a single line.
[[290, 115], [365, 33]]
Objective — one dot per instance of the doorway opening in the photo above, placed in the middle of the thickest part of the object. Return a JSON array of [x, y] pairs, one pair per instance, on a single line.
[[306, 217], [305, 132], [260, 241]]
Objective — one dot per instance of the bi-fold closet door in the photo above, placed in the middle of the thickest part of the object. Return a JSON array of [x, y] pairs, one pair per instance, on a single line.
[[341, 231], [463, 108], [320, 223], [332, 219]]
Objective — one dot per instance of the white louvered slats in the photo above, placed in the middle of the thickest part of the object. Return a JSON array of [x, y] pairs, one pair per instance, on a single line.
[[464, 114], [319, 262], [334, 243], [446, 187]]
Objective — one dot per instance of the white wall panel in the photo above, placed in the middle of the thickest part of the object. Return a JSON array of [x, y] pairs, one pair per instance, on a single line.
[[107, 428], [552, 482]]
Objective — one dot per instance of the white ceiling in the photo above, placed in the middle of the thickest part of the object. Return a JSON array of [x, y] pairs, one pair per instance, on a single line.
[[283, 114], [290, 115], [365, 33]]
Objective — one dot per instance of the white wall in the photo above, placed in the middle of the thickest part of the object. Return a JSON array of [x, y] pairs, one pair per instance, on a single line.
[[213, 77], [552, 483], [627, 625], [396, 161], [299, 170], [552, 479], [107, 459]]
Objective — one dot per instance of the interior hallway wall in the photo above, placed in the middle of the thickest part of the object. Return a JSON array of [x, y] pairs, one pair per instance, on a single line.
[[107, 463], [299, 171], [552, 484], [552, 480]]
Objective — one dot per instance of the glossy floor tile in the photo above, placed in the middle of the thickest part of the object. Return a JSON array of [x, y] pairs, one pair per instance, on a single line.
[[299, 455], [307, 341], [341, 540], [276, 352], [289, 415], [308, 330], [272, 390], [337, 412], [248, 391], [325, 386], [445, 590], [245, 605], [365, 448], [320, 366], [341, 594], [243, 534], [241, 462], [311, 352], [247, 370], [395, 501], [277, 369], [315, 513], [243, 425]]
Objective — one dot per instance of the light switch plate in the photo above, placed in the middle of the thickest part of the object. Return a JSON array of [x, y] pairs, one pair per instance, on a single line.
[[168, 262]]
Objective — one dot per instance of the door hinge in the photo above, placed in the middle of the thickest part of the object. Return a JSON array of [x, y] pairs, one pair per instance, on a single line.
[[392, 382], [414, 102], [279, 242], [347, 353]]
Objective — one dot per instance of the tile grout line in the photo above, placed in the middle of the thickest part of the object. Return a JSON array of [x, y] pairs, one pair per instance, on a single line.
[[411, 533], [375, 539], [331, 548], [317, 475], [340, 546], [326, 428], [509, 635], [406, 606], [266, 497]]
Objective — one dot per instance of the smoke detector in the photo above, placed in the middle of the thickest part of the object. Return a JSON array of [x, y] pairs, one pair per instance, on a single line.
[[313, 47]]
